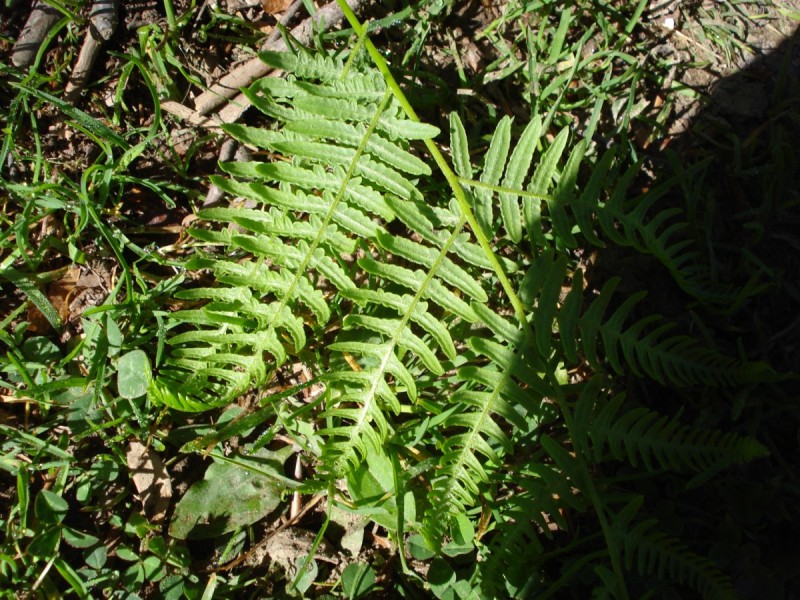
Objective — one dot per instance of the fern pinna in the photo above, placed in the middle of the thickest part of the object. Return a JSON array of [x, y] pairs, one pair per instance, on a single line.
[[340, 252]]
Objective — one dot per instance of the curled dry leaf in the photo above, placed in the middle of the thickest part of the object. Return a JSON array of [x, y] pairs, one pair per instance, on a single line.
[[151, 479]]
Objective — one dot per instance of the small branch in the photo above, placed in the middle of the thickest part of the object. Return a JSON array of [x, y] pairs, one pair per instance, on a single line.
[[233, 110], [254, 69], [192, 117], [38, 25], [102, 25]]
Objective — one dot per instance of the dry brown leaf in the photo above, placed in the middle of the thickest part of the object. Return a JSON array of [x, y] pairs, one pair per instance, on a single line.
[[60, 291], [151, 479], [275, 6]]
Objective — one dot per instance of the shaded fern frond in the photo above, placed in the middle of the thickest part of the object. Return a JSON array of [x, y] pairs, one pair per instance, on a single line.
[[539, 499], [646, 346], [639, 434], [652, 552], [666, 236]]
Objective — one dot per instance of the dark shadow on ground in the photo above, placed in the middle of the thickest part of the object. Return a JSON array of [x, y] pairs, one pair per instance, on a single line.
[[745, 197]]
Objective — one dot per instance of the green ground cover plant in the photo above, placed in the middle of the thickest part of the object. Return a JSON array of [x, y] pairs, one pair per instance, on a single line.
[[398, 324]]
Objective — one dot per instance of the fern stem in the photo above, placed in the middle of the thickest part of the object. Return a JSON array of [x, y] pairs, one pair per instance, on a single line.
[[502, 189], [441, 162]]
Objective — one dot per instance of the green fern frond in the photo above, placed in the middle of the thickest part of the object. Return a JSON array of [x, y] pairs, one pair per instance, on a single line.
[[504, 394], [306, 65], [646, 347], [552, 210], [237, 333], [653, 552], [666, 236], [539, 500], [338, 254], [507, 175], [639, 434]]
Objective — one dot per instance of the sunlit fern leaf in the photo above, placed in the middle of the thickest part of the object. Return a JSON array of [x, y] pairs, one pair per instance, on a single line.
[[419, 313], [397, 338], [493, 166], [515, 173], [346, 216], [434, 290], [459, 148], [306, 66], [352, 135], [247, 331], [277, 223], [349, 163], [431, 227], [306, 107], [504, 176], [315, 178]]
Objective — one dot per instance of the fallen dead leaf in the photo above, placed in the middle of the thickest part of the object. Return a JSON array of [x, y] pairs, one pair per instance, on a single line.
[[151, 479], [275, 6], [60, 291]]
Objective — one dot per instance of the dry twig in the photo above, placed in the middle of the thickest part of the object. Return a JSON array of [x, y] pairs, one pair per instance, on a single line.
[[102, 25], [40, 21]]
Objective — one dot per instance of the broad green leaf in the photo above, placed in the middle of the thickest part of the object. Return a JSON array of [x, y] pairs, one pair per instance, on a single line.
[[371, 486], [133, 374], [357, 580], [418, 549], [231, 495], [45, 543], [50, 507], [304, 579], [79, 539]]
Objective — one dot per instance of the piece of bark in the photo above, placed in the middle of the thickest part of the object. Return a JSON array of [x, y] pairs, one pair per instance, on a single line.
[[102, 25], [40, 21], [255, 68], [233, 110]]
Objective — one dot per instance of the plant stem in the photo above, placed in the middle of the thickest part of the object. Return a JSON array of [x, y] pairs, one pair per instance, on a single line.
[[441, 162]]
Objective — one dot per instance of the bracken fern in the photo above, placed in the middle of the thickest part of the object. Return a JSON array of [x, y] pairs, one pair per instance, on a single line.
[[341, 246]]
